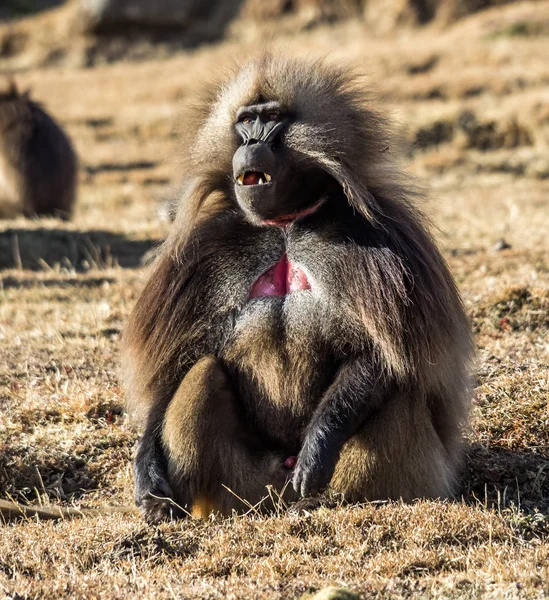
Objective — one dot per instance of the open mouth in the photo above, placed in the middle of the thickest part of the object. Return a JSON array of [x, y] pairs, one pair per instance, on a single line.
[[253, 178], [284, 220]]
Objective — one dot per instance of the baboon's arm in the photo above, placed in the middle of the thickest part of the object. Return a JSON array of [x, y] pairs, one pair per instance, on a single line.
[[150, 468], [353, 396]]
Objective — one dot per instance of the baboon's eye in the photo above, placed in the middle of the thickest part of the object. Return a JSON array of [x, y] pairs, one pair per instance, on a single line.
[[246, 118], [273, 116]]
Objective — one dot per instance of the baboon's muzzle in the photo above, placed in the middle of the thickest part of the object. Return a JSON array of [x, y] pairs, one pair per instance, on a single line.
[[254, 172], [254, 163]]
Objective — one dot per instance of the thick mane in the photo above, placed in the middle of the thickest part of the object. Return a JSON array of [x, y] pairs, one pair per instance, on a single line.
[[333, 114], [335, 127]]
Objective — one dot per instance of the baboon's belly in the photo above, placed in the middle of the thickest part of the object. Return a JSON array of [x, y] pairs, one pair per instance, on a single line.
[[280, 365]]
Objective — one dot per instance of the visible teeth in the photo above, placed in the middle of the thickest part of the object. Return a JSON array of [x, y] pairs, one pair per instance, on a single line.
[[261, 182], [240, 179], [267, 176]]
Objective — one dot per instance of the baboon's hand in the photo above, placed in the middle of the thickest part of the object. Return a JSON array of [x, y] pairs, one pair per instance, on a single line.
[[315, 466], [152, 492]]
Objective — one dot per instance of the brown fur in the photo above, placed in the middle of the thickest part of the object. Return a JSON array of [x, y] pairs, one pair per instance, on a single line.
[[383, 295], [38, 166], [215, 439]]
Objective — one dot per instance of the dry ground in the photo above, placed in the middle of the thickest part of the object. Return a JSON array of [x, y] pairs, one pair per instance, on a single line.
[[473, 103]]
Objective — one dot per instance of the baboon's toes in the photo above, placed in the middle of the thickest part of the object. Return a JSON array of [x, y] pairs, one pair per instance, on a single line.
[[156, 510], [306, 505]]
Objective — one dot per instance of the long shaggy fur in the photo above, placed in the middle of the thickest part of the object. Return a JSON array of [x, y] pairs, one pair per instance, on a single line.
[[382, 289]]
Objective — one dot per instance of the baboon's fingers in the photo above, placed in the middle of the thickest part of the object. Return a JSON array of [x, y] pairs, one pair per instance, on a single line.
[[314, 469]]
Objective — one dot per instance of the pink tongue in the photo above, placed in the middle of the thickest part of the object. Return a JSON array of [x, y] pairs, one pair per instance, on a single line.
[[282, 278]]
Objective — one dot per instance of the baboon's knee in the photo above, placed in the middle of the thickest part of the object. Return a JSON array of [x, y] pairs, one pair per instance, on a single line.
[[395, 459], [210, 448], [200, 412]]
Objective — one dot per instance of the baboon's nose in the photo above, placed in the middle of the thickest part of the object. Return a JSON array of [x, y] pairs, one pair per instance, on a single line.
[[254, 158]]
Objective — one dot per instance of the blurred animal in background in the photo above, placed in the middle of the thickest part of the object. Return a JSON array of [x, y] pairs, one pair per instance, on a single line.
[[299, 328], [38, 165]]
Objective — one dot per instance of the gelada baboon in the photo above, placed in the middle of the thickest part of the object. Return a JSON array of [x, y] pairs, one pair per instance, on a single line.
[[38, 166], [299, 323]]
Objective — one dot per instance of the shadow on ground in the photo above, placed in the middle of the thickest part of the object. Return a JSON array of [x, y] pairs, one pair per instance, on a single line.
[[17, 8], [494, 477], [500, 477], [39, 249]]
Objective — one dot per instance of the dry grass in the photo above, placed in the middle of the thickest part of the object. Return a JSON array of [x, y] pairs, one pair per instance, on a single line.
[[387, 551], [476, 119]]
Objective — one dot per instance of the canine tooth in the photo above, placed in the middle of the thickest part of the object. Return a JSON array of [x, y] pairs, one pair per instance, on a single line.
[[261, 182], [267, 176], [240, 179]]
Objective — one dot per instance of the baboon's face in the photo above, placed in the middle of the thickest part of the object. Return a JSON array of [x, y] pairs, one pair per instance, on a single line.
[[272, 184]]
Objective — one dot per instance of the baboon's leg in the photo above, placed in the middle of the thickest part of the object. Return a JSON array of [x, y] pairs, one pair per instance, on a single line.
[[396, 454], [210, 448]]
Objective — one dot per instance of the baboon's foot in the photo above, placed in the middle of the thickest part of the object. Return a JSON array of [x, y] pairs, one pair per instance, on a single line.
[[157, 509], [153, 493], [307, 505]]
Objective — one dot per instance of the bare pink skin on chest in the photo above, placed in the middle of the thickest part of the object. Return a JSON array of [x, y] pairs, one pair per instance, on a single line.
[[281, 279]]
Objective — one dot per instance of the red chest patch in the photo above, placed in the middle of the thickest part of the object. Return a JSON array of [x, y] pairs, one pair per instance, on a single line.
[[282, 278]]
